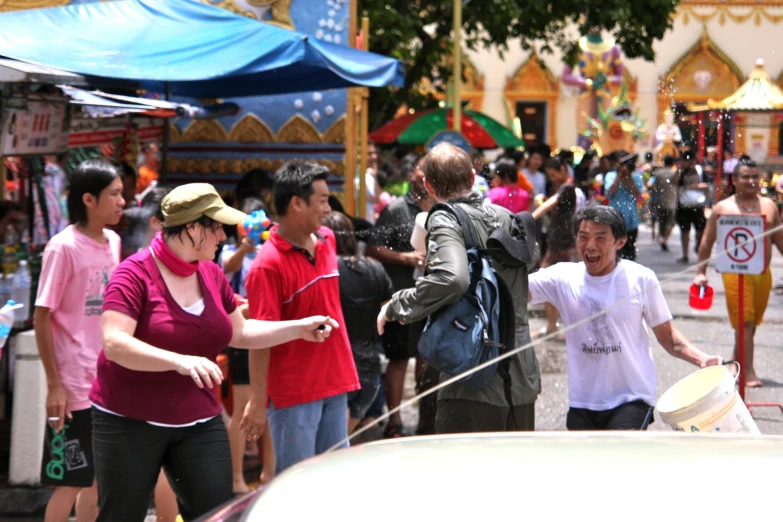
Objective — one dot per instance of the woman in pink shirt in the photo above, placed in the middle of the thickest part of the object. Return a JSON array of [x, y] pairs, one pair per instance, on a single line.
[[77, 265], [504, 191], [168, 312]]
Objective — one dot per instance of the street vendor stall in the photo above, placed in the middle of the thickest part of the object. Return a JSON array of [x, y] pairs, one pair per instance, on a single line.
[[182, 48]]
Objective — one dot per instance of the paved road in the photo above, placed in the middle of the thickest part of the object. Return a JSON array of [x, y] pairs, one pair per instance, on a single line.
[[709, 330]]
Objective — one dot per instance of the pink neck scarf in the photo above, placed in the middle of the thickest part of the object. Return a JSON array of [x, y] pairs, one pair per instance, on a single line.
[[171, 261]]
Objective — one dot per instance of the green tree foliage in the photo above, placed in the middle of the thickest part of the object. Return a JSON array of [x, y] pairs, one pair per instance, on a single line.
[[418, 32]]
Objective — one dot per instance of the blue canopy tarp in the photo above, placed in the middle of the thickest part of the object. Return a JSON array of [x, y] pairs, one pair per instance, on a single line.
[[200, 50]]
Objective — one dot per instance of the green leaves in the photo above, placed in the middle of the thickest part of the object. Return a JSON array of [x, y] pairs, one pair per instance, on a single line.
[[418, 32]]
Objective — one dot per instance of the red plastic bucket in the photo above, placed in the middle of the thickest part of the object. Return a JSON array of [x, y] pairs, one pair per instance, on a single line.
[[700, 297]]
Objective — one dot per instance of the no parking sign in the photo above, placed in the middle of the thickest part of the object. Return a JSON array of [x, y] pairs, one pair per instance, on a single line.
[[739, 237]]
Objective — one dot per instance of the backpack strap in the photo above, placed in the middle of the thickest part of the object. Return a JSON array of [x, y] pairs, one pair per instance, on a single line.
[[508, 327], [507, 312], [469, 234]]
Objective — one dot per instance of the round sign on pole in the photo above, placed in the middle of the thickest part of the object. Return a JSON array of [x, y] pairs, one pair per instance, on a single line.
[[738, 246]]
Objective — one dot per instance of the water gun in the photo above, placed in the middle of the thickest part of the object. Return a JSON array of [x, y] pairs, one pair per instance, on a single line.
[[256, 227]]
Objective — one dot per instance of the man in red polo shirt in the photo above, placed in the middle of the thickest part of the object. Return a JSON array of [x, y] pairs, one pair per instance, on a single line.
[[294, 274]]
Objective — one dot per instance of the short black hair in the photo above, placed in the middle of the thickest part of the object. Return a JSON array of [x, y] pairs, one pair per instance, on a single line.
[[176, 231], [128, 170], [250, 205], [296, 178], [746, 161], [507, 170], [6, 206], [253, 182], [139, 216], [516, 155], [90, 177], [335, 204], [344, 233], [554, 164], [152, 200], [648, 156], [603, 215], [668, 161]]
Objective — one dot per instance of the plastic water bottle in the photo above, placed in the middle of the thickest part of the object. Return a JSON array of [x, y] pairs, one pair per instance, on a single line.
[[21, 291], [7, 318]]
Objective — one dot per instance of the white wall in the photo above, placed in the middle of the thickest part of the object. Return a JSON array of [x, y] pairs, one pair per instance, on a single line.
[[743, 43]]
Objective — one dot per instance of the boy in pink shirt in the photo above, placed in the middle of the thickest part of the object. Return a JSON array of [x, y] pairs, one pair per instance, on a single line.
[[77, 265]]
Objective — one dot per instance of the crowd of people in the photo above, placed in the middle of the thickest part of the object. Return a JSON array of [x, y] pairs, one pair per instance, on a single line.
[[129, 333]]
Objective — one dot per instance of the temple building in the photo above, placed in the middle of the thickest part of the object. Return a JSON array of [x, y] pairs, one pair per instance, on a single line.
[[710, 51]]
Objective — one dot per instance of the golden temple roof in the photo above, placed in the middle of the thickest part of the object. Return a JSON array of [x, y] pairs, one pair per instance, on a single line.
[[759, 93]]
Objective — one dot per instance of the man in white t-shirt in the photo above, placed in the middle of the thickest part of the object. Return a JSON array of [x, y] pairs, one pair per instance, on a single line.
[[610, 303]]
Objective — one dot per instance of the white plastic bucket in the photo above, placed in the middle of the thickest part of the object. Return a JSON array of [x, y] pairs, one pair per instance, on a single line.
[[707, 401]]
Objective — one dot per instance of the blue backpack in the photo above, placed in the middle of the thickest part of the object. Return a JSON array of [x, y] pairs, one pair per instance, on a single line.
[[477, 328]]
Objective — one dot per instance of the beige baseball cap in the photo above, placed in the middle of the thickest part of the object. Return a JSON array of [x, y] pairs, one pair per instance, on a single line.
[[187, 203]]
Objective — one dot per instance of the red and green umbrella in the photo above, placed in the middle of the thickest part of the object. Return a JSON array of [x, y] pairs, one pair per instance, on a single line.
[[481, 131]]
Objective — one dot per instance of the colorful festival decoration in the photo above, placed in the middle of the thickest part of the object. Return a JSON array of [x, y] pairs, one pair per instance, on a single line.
[[616, 127]]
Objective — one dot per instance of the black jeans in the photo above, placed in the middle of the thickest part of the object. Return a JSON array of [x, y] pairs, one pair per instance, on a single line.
[[636, 415], [464, 416], [130, 453]]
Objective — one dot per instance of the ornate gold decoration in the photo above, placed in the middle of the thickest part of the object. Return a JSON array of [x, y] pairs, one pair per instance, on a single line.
[[174, 133], [19, 5], [737, 11], [235, 166], [533, 81], [298, 130], [250, 129], [220, 166], [278, 9], [703, 72], [204, 130], [270, 165], [336, 133]]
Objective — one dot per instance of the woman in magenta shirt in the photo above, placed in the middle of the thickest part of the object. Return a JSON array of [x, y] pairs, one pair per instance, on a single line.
[[504, 191], [167, 313]]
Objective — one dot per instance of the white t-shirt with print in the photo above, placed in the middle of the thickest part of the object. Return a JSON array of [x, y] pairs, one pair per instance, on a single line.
[[610, 360]]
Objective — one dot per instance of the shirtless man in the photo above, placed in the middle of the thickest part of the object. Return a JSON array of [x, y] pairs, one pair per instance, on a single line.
[[747, 200]]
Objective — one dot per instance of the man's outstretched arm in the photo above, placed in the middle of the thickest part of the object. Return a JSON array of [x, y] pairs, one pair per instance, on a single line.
[[674, 342]]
